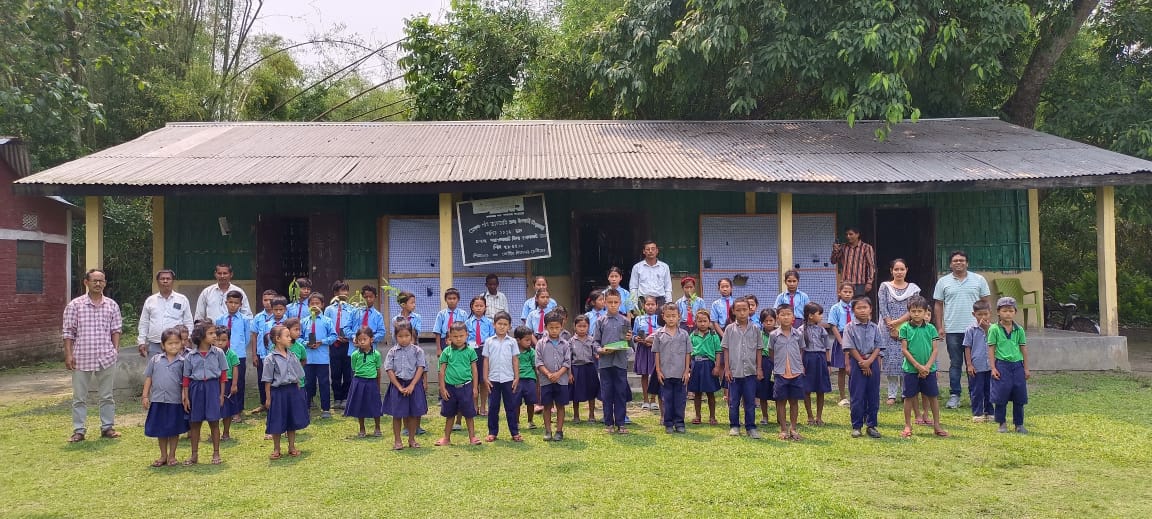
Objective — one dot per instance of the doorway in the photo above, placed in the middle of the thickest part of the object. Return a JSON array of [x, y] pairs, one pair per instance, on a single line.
[[289, 247], [908, 233], [600, 240]]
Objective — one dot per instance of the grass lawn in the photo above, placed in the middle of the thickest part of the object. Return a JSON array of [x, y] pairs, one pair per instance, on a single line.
[[1089, 454]]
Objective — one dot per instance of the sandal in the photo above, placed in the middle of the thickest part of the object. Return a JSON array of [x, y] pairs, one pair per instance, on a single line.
[[414, 445], [76, 437], [811, 422], [159, 463], [796, 436], [695, 421], [820, 423], [294, 453], [785, 436], [397, 446], [609, 430], [442, 442], [906, 433], [216, 459], [173, 462], [191, 461], [274, 456], [922, 421], [490, 438], [622, 430], [891, 401], [517, 438], [361, 434], [110, 433], [712, 421], [941, 433], [475, 441]]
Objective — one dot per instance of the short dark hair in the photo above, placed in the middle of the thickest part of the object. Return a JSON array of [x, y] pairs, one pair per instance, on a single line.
[[279, 301], [234, 294], [292, 321], [490, 277], [168, 334], [670, 306], [368, 288], [611, 292], [553, 317], [88, 275], [225, 266], [270, 292], [303, 282], [852, 228], [458, 326], [521, 332], [200, 332], [581, 318], [316, 295], [812, 307], [792, 273], [917, 301], [861, 299], [451, 292], [648, 242], [981, 304], [502, 315], [170, 272], [785, 308], [401, 326], [339, 285], [958, 252], [765, 313]]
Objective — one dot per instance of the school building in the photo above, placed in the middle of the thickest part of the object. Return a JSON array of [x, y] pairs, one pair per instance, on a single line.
[[747, 200]]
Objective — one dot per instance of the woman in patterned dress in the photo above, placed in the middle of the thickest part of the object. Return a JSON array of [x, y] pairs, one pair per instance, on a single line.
[[893, 302]]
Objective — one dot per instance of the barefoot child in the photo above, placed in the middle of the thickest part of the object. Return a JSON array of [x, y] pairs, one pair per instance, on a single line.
[[787, 346], [528, 391], [838, 318], [976, 359], [1006, 344], [367, 380], [457, 376], [405, 401], [816, 357], [764, 387], [865, 342], [742, 349], [232, 405], [286, 403], [554, 363], [704, 376], [919, 343], [205, 376], [612, 336], [502, 375], [585, 380], [162, 401], [671, 347]]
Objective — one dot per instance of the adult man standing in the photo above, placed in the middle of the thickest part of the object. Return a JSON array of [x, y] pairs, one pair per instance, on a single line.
[[210, 305], [91, 332], [651, 277], [954, 295], [162, 310], [857, 262]]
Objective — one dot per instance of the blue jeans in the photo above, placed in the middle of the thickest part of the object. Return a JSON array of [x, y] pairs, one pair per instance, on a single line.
[[955, 343], [742, 388], [317, 376]]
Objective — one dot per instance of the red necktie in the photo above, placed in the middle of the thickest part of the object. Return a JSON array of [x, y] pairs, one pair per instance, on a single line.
[[541, 322], [313, 326], [477, 332], [792, 300], [451, 314], [728, 309], [688, 308], [649, 325], [365, 322], [229, 330], [338, 308]]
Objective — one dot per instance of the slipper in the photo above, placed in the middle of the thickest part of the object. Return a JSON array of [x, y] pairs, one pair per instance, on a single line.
[[398, 446], [712, 421], [274, 456], [76, 437], [517, 438], [785, 436], [695, 421], [226, 438], [216, 460], [376, 433], [622, 431], [819, 422], [906, 433], [173, 462], [442, 442], [361, 434], [941, 433], [490, 438], [796, 436], [110, 433], [891, 401], [475, 441], [811, 422], [191, 461], [921, 421], [413, 445], [267, 437], [294, 453], [159, 463]]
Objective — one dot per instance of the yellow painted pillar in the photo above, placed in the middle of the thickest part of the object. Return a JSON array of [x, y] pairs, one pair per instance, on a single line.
[[445, 244], [93, 232], [749, 203], [1106, 259], [157, 238], [784, 243], [1034, 247]]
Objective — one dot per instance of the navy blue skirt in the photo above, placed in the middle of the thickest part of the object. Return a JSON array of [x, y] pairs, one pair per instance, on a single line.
[[816, 373], [363, 399], [289, 411], [397, 405], [204, 397], [233, 404], [587, 386], [165, 420], [837, 355], [701, 380], [764, 387]]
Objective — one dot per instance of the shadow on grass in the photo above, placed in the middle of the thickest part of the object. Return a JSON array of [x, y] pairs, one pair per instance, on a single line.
[[93, 443]]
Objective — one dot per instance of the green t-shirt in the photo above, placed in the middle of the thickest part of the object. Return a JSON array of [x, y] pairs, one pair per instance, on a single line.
[[233, 361], [366, 365], [705, 346], [298, 349], [457, 365], [1007, 343], [528, 363], [919, 344]]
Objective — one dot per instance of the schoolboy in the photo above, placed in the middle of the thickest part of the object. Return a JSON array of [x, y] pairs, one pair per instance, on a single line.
[[495, 300], [672, 347], [554, 363], [447, 317], [238, 329], [742, 369], [689, 304], [864, 343], [458, 389], [340, 314], [407, 302], [919, 343], [976, 359], [788, 388], [320, 337], [1007, 347], [527, 393], [612, 329], [371, 318], [299, 308]]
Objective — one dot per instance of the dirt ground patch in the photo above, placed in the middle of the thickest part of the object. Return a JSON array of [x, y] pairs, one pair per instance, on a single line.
[[20, 386]]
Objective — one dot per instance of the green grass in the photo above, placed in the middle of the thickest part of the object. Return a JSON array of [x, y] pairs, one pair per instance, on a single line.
[[1088, 455]]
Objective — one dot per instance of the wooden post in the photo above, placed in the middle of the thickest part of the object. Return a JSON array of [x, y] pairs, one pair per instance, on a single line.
[[1034, 248], [93, 232], [445, 244], [1106, 259], [157, 238], [749, 203], [784, 244]]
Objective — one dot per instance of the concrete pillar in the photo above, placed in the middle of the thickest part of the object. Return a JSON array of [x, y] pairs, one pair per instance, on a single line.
[[1106, 259], [93, 232], [784, 241], [157, 238], [749, 203], [445, 244], [1034, 247]]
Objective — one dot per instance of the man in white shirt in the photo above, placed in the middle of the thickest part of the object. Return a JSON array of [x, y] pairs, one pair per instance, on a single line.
[[210, 304], [495, 300], [651, 277], [162, 310]]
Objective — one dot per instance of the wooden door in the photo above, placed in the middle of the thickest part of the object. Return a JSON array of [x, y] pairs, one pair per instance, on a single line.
[[269, 249], [326, 251]]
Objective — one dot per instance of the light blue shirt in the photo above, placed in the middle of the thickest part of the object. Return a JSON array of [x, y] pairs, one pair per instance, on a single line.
[[593, 316], [958, 296], [839, 315], [798, 301], [651, 280], [347, 319], [325, 335], [530, 305], [298, 309], [375, 321], [697, 305], [487, 329], [977, 339], [500, 353], [240, 330], [261, 326], [534, 322], [644, 326], [720, 311], [459, 315], [413, 319], [625, 299]]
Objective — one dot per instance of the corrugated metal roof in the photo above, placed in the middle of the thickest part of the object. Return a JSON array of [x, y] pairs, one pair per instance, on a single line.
[[797, 156]]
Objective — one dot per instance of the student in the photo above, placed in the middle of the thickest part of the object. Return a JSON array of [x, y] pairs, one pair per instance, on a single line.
[[299, 348], [494, 300], [816, 360], [976, 358], [595, 308], [502, 375], [320, 336], [538, 284], [792, 296], [722, 308], [237, 331], [232, 406], [765, 387], [480, 328], [671, 347], [343, 321], [543, 305], [612, 331], [1007, 345], [265, 314], [205, 375], [260, 343], [371, 318], [615, 276], [300, 308], [919, 345], [367, 381], [704, 373], [287, 406], [645, 365], [407, 302], [447, 317], [838, 318], [787, 346], [865, 342], [585, 380], [458, 391], [753, 305], [162, 397], [689, 304], [553, 363], [405, 401], [528, 391], [742, 349]]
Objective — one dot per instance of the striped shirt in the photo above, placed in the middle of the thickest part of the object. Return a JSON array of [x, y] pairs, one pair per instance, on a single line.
[[857, 263], [90, 327]]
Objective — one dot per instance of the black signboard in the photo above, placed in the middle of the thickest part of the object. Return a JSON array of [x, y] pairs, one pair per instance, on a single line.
[[496, 230]]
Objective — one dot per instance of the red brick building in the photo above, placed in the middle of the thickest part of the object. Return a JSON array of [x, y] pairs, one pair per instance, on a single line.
[[35, 277]]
